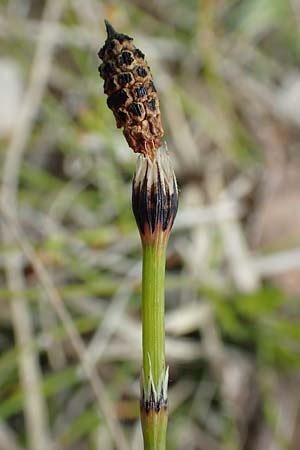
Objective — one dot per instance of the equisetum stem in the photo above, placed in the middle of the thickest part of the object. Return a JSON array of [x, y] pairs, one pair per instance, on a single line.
[[154, 414], [154, 203], [153, 312]]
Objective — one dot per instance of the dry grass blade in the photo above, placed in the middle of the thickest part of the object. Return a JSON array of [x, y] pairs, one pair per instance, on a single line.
[[7, 439], [35, 406], [105, 407]]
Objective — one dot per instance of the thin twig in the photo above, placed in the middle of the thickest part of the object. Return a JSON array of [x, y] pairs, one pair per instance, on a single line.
[[275, 263]]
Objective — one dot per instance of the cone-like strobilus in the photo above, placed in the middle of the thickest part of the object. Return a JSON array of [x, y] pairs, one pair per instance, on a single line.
[[133, 99]]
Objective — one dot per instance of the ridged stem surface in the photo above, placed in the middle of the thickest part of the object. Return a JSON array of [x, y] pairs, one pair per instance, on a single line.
[[155, 418], [153, 311]]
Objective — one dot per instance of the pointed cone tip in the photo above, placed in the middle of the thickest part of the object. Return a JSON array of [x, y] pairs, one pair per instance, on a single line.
[[109, 29]]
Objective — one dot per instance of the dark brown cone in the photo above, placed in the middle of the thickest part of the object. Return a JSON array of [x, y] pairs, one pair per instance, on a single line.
[[131, 92]]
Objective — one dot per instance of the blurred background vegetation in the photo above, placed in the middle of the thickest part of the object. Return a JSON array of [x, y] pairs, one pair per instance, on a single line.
[[228, 76]]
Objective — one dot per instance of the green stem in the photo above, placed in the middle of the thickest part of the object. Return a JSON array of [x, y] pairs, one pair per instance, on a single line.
[[154, 421], [154, 204], [153, 311]]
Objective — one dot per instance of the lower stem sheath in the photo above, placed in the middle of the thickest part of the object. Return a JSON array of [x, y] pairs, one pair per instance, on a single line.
[[154, 396], [154, 426]]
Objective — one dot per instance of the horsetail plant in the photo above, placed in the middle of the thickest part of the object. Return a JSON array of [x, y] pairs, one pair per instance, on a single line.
[[133, 99]]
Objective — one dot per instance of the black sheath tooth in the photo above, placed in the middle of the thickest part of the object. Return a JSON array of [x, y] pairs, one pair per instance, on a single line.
[[155, 205]]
